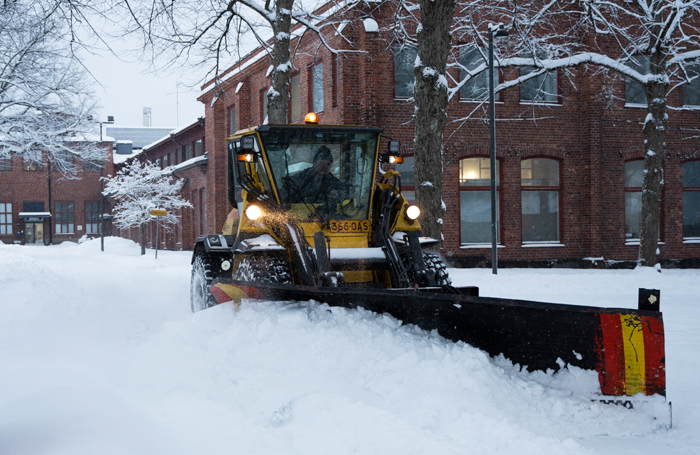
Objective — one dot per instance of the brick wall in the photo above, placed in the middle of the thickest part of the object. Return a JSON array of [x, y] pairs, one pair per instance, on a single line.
[[590, 138]]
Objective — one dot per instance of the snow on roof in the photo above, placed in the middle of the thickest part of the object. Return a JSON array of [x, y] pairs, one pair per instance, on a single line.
[[191, 162]]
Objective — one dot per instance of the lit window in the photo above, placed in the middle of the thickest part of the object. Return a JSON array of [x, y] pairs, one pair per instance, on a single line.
[[296, 97], [64, 218], [5, 218], [539, 180], [404, 78], [691, 199], [475, 200], [317, 87], [31, 164], [540, 89], [634, 92], [477, 88], [634, 178], [691, 90]]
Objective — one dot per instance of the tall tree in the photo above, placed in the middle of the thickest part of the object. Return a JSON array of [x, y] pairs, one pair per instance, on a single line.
[[432, 21], [139, 188], [46, 105], [430, 94]]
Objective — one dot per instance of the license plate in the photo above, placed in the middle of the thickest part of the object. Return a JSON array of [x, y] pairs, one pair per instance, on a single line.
[[350, 226]]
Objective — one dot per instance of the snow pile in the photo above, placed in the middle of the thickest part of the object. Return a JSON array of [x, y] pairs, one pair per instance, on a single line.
[[96, 346]]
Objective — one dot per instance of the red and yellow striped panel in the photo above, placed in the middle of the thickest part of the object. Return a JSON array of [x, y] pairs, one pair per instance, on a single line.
[[633, 355], [228, 292]]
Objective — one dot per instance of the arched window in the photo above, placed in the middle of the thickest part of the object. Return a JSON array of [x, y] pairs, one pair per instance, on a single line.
[[691, 200], [539, 180], [634, 178], [475, 200]]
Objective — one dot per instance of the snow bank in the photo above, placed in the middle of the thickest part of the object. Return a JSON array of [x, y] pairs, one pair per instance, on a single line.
[[97, 345]]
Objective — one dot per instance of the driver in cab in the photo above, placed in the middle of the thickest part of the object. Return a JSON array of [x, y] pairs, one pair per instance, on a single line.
[[316, 184]]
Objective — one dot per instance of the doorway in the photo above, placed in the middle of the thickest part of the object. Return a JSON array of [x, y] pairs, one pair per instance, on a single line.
[[34, 233]]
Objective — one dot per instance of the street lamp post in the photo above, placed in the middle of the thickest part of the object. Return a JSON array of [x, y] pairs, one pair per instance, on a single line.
[[110, 120], [495, 31]]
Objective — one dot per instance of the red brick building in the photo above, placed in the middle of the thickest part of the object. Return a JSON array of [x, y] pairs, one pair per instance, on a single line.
[[42, 207], [569, 187], [184, 149]]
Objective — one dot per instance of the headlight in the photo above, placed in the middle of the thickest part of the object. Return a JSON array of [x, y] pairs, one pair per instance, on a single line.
[[253, 212], [412, 212]]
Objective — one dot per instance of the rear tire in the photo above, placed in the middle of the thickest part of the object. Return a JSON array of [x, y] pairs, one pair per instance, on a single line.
[[200, 296], [433, 262], [263, 269]]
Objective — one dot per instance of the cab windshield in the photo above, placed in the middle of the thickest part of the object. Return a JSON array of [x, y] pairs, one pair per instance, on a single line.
[[323, 171]]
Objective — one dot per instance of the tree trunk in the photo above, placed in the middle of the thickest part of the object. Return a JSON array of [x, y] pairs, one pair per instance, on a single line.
[[142, 238], [430, 93], [278, 95], [655, 127]]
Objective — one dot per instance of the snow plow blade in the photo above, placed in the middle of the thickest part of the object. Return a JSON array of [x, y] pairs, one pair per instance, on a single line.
[[625, 347]]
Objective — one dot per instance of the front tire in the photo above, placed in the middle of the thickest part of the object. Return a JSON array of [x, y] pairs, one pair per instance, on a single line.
[[263, 269], [434, 263], [201, 297]]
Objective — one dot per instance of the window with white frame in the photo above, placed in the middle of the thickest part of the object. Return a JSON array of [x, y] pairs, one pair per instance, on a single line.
[[404, 78], [477, 88], [691, 199], [295, 88], [539, 184], [634, 92], [5, 218], [475, 200], [232, 120], [92, 217], [317, 87], [408, 188], [634, 179], [541, 88], [65, 218], [691, 90]]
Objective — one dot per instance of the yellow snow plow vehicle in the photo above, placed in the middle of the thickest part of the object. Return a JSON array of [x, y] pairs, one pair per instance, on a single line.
[[322, 217]]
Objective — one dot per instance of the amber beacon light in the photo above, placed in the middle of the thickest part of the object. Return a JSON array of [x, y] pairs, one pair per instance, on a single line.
[[311, 117]]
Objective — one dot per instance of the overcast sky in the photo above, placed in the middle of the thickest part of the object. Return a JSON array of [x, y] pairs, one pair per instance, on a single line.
[[125, 86]]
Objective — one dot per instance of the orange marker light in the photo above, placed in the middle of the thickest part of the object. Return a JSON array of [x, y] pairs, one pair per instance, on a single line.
[[311, 117]]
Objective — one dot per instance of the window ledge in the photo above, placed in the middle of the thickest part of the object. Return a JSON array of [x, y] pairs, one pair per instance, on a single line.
[[635, 105], [484, 245], [637, 242], [541, 244], [540, 103], [692, 240], [692, 107], [486, 101]]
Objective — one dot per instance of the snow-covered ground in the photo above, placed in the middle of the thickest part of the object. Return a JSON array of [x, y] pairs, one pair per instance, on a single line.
[[100, 354]]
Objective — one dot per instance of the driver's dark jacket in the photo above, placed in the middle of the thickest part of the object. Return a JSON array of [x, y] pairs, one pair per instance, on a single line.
[[312, 188]]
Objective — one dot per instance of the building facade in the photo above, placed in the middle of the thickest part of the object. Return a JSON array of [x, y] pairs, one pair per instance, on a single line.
[[184, 149], [569, 163], [39, 206]]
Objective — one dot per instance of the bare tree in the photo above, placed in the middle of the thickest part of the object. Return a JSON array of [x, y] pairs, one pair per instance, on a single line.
[[46, 105], [139, 188], [227, 30]]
